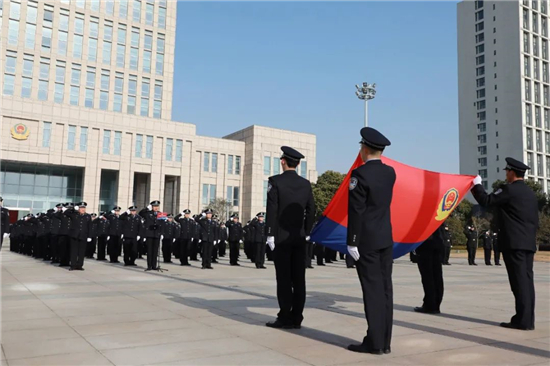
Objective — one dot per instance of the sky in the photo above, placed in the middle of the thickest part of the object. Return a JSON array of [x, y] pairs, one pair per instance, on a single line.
[[294, 65]]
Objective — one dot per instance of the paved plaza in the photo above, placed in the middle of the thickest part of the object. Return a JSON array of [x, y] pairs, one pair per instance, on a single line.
[[115, 315]]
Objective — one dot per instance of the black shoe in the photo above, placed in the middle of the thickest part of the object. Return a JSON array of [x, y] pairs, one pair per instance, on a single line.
[[488, 264], [80, 269], [209, 268], [320, 264], [474, 264], [235, 264], [280, 325], [362, 349], [70, 269], [498, 264], [351, 266], [133, 265], [328, 261], [185, 264], [214, 261], [515, 326], [148, 269], [387, 351], [426, 311], [203, 267], [310, 267], [63, 265]]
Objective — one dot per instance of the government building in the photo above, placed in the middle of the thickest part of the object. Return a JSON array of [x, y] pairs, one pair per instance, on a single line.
[[504, 88], [86, 115]]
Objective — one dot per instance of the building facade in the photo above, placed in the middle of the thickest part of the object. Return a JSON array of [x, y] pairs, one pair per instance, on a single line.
[[503, 79], [86, 115]]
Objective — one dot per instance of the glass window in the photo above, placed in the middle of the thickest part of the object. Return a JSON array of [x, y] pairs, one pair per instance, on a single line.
[[159, 65], [121, 35], [276, 166], [145, 87], [106, 142], [44, 69], [119, 83], [162, 18], [144, 107], [77, 46], [535, 46], [537, 93], [214, 162], [30, 35], [266, 183], [107, 46], [110, 7], [75, 75], [539, 140], [15, 10], [179, 150], [64, 20], [11, 62], [105, 79], [131, 107], [75, 94], [206, 164], [132, 85], [28, 65], [160, 44], [237, 165], [157, 109], [205, 189], [536, 69], [526, 66], [230, 164], [527, 90], [135, 38], [43, 90], [46, 39], [303, 170], [137, 10], [134, 58], [158, 89], [528, 114], [118, 142], [95, 5], [103, 100], [13, 32], [46, 134], [108, 32], [545, 72], [149, 147], [526, 42], [212, 192], [59, 93], [120, 55], [236, 196], [147, 61], [89, 98], [83, 139], [60, 72], [92, 49], [525, 18], [139, 145], [529, 138], [148, 41], [267, 165], [62, 43], [149, 11], [94, 28], [79, 24], [71, 138], [169, 146], [117, 103], [123, 8]]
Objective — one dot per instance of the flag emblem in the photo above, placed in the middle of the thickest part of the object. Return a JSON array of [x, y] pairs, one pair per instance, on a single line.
[[352, 184], [447, 204]]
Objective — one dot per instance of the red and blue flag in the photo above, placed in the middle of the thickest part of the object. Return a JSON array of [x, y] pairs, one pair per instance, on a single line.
[[422, 201]]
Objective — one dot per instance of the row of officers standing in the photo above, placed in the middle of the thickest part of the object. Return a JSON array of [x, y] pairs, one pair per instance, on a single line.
[[67, 234]]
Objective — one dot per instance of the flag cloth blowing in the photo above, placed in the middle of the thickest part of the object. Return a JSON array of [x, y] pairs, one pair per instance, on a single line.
[[422, 200]]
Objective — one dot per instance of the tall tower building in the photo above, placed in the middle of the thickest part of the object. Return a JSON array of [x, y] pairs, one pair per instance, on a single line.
[[85, 114], [503, 81]]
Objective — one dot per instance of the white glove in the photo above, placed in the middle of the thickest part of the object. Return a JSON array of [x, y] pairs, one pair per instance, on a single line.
[[308, 238], [271, 242], [161, 237], [108, 237], [173, 240], [150, 208], [113, 212], [128, 212], [200, 241], [89, 240], [64, 209], [6, 235], [138, 237], [354, 252], [477, 180], [122, 237], [240, 241], [215, 242], [203, 214]]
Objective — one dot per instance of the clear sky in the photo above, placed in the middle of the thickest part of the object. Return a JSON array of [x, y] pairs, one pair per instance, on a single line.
[[294, 65]]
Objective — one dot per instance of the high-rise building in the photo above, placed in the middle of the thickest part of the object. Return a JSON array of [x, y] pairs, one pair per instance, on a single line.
[[503, 79], [87, 88]]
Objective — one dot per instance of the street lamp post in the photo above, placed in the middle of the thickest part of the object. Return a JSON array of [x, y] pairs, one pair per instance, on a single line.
[[366, 92]]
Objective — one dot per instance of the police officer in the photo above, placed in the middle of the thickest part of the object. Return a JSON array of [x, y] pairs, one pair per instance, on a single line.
[[487, 247], [516, 207], [370, 240], [80, 233], [168, 237], [471, 244], [55, 227], [152, 232], [448, 245], [222, 246], [131, 228], [430, 265], [207, 238], [195, 245], [259, 240], [103, 226], [4, 222], [290, 217], [90, 247], [64, 238], [185, 238], [235, 238], [114, 246]]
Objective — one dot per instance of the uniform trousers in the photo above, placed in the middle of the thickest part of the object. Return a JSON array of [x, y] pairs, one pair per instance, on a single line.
[[207, 247], [471, 254], [431, 272], [114, 248], [167, 250], [447, 255], [90, 248], [54, 248], [375, 274], [152, 252], [519, 265], [234, 247], [290, 270], [309, 253], [130, 250], [78, 251], [222, 247], [101, 247], [497, 254], [320, 254], [184, 246], [64, 245], [260, 254], [487, 253]]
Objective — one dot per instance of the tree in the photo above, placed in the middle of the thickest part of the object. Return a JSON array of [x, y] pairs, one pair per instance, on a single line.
[[456, 227], [221, 207], [543, 234], [464, 211], [325, 188]]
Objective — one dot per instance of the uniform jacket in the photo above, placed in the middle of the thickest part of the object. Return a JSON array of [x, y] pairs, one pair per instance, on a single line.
[[102, 226], [259, 232], [5, 221], [290, 208], [187, 227], [235, 231], [55, 223], [151, 224], [130, 225], [115, 225], [65, 227], [170, 230], [435, 243], [207, 230], [369, 215], [471, 235], [487, 241], [518, 215], [81, 224]]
